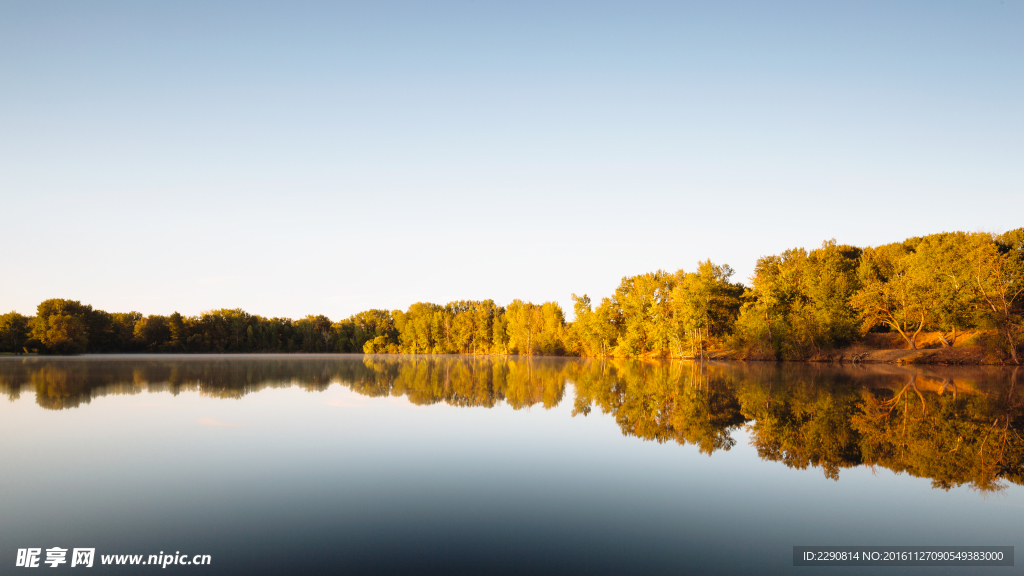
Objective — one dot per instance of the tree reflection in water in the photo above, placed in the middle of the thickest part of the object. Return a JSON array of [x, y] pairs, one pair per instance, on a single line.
[[956, 426]]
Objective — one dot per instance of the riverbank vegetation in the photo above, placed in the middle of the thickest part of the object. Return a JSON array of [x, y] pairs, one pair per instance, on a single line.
[[965, 288]]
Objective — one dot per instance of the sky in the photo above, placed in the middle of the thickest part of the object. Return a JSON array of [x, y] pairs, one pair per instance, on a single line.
[[325, 158]]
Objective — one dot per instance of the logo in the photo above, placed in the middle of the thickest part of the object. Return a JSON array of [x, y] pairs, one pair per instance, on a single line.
[[30, 557]]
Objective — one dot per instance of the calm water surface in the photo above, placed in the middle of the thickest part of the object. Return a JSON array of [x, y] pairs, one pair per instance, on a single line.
[[452, 465]]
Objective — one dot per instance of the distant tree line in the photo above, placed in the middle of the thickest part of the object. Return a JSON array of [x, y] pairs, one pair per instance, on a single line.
[[798, 305], [70, 327]]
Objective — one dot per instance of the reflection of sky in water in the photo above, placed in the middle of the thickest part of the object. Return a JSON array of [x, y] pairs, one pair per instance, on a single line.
[[290, 480]]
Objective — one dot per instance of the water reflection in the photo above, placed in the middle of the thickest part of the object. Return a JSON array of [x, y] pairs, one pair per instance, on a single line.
[[955, 426]]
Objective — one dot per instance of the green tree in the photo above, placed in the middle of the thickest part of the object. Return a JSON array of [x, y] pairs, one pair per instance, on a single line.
[[945, 272], [705, 304], [317, 333], [644, 312], [153, 332], [998, 267], [64, 334], [763, 324], [14, 332], [829, 281], [61, 326], [176, 327], [799, 304], [894, 292], [122, 327]]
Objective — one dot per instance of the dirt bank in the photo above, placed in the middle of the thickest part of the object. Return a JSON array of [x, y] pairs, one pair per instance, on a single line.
[[975, 347]]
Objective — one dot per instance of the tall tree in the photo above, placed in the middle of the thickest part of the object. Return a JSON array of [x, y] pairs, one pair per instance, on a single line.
[[153, 332], [998, 264], [61, 326], [945, 274], [14, 330], [176, 326], [643, 303], [705, 303], [893, 292]]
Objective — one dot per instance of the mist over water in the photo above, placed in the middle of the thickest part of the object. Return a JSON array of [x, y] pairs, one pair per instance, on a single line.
[[452, 464]]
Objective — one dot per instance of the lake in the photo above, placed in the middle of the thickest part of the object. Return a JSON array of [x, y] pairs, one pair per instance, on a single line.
[[502, 465]]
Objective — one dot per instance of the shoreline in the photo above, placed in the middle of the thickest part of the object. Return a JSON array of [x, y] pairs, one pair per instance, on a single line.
[[934, 357]]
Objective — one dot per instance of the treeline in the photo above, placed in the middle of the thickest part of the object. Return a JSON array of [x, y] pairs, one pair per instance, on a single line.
[[70, 327], [800, 304]]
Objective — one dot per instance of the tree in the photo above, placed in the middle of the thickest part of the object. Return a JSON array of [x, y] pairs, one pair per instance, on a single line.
[[533, 328], [799, 304], [61, 326], [176, 326], [153, 332], [419, 329], [643, 307], [122, 327], [552, 332], [945, 274], [829, 281], [705, 303], [586, 334], [317, 333], [893, 292], [998, 266], [14, 332], [486, 314], [64, 334], [525, 322], [764, 320]]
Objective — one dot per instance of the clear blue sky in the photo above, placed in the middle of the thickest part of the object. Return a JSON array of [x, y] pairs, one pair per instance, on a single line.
[[298, 158]]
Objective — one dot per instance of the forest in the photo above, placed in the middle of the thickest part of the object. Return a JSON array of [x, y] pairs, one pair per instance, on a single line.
[[798, 305]]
